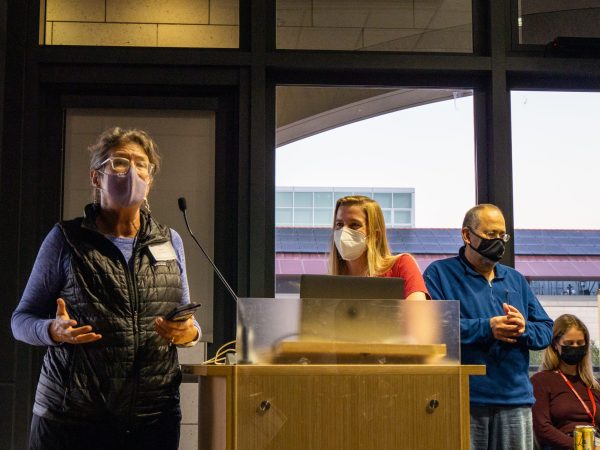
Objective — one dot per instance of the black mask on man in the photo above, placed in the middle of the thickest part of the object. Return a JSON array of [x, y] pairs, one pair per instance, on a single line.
[[572, 355], [492, 249]]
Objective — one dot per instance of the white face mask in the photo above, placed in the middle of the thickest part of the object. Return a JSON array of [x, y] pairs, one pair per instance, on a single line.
[[350, 243]]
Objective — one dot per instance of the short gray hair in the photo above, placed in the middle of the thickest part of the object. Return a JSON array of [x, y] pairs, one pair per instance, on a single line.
[[116, 137], [472, 220]]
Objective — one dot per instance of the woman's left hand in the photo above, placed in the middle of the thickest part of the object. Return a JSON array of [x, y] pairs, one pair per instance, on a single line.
[[176, 332]]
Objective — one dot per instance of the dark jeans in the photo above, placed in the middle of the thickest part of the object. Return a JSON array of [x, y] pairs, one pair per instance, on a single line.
[[163, 434]]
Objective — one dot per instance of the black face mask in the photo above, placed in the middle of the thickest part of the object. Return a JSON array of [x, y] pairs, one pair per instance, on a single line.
[[572, 355], [492, 249]]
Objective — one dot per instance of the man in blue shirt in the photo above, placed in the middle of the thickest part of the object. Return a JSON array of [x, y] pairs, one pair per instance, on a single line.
[[500, 321]]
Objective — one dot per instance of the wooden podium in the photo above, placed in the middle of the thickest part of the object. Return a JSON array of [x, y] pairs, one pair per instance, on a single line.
[[334, 407]]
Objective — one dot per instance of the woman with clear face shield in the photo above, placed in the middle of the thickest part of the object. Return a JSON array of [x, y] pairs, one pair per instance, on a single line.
[[566, 392], [96, 298]]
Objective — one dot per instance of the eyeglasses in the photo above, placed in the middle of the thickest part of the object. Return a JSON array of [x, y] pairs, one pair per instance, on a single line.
[[121, 166], [504, 237]]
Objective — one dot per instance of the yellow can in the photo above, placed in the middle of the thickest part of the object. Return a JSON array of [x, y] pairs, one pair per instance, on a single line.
[[577, 438], [588, 438], [583, 437]]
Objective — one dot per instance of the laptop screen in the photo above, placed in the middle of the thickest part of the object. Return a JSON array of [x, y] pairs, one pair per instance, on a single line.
[[351, 309], [349, 287]]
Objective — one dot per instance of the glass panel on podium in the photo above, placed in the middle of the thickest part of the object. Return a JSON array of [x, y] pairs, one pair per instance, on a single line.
[[329, 373], [347, 331]]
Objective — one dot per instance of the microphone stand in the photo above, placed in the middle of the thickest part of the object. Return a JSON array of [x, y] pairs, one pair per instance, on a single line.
[[245, 359]]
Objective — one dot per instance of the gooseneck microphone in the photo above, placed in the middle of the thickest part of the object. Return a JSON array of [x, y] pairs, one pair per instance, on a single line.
[[244, 329], [183, 208]]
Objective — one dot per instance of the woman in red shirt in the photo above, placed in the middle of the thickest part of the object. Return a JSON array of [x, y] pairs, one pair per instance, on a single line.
[[359, 247], [566, 393]]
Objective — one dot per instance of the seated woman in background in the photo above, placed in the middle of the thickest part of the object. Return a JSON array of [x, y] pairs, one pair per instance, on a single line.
[[360, 247], [566, 393]]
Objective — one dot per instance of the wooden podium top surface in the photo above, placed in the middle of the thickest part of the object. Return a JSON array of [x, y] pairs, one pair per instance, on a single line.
[[337, 352], [352, 348], [331, 369]]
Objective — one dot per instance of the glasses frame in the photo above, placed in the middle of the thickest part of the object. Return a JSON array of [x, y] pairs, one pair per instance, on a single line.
[[151, 167], [504, 237]]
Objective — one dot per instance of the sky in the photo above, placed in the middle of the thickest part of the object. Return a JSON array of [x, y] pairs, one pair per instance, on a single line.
[[556, 159]]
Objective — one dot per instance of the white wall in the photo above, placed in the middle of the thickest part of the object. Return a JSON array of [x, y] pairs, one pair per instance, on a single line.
[[583, 306], [186, 143]]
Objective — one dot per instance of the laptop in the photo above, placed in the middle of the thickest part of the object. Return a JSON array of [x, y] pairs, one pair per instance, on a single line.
[[351, 309], [349, 287]]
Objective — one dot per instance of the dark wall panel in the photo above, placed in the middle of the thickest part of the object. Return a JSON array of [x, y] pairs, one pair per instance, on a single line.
[[7, 346], [6, 416]]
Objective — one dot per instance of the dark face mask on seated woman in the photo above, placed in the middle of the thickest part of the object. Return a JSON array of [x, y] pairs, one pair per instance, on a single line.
[[572, 355]]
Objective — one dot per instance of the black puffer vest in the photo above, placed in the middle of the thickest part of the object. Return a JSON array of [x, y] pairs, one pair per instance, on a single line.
[[131, 375]]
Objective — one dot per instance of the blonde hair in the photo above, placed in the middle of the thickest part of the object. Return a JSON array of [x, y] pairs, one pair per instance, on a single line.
[[551, 358], [379, 257]]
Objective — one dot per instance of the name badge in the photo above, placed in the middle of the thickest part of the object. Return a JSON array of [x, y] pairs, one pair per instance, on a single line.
[[163, 252]]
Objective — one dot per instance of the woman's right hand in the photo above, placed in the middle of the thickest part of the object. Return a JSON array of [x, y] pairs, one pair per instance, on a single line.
[[62, 328]]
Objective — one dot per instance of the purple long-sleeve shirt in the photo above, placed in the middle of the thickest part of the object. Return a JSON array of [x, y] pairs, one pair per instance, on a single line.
[[31, 319]]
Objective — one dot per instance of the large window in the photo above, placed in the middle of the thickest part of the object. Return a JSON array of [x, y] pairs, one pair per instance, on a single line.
[[556, 160], [410, 149], [541, 21], [141, 23], [385, 25]]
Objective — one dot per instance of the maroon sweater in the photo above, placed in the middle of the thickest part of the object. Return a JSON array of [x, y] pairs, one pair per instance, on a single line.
[[557, 411]]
